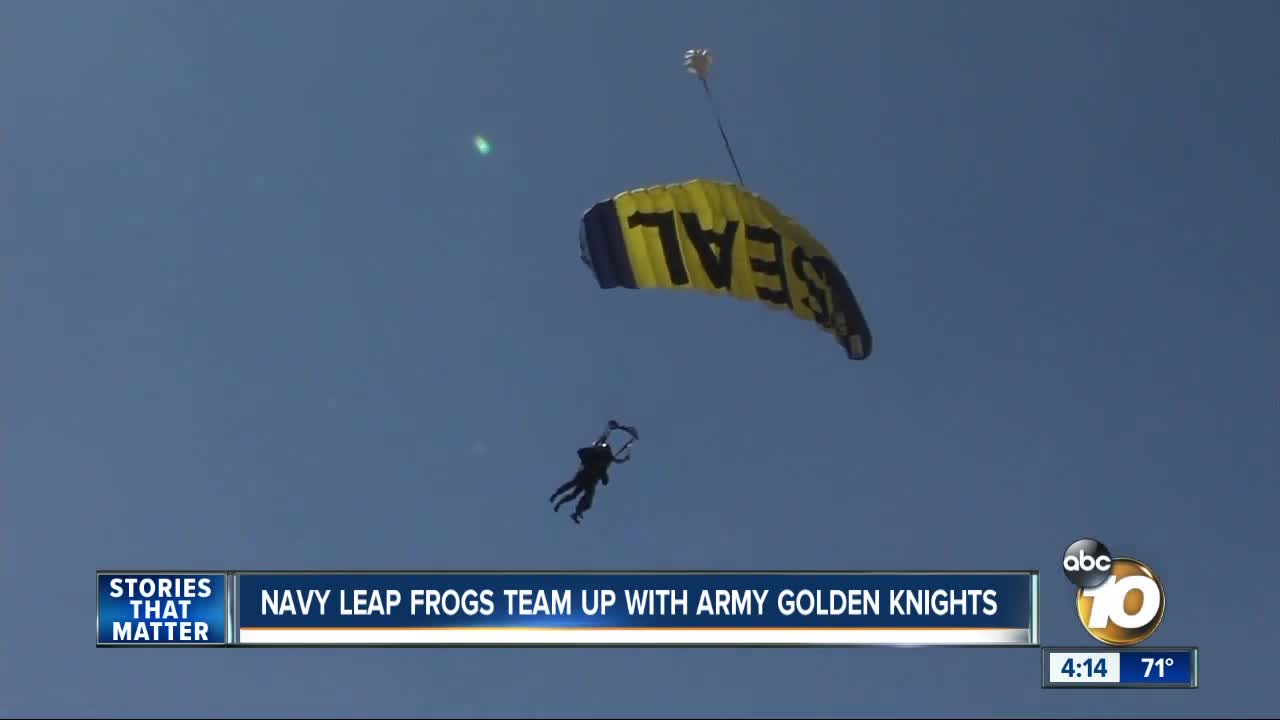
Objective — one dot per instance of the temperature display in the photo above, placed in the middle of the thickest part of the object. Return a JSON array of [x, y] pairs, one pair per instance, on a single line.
[[1147, 667]]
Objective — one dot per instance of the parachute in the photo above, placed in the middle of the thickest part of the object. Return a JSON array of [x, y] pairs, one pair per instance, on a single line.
[[721, 239]]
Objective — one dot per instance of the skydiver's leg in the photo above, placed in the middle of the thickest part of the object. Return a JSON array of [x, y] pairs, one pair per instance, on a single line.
[[564, 488], [577, 490], [585, 503]]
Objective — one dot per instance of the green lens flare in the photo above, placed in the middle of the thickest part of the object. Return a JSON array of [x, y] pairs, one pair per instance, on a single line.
[[482, 145]]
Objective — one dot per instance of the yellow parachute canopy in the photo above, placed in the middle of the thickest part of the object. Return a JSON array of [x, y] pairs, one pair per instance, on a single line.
[[719, 238]]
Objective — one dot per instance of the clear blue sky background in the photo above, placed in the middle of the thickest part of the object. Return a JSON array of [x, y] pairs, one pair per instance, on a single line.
[[264, 306]]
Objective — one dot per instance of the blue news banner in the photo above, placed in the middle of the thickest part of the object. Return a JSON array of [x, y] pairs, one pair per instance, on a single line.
[[569, 608], [163, 609]]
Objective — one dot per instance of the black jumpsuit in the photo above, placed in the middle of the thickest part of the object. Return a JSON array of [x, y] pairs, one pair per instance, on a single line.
[[595, 465]]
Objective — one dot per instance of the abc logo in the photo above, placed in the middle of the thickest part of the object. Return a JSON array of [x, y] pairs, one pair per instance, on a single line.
[[1120, 601], [1087, 563]]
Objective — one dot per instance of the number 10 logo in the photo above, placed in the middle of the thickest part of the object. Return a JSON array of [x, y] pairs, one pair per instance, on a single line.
[[1126, 608]]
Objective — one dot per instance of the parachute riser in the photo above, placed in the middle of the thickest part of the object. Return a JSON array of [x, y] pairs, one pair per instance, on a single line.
[[633, 434], [625, 447]]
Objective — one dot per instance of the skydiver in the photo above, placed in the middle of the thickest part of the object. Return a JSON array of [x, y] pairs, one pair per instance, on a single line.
[[595, 461]]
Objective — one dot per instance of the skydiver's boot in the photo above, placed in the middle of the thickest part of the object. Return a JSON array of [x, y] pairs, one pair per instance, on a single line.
[[577, 517]]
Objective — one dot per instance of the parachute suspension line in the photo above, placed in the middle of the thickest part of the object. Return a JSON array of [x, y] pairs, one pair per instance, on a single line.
[[716, 112]]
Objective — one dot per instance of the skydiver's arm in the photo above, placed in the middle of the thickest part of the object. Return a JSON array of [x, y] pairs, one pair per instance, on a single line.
[[604, 478], [623, 459]]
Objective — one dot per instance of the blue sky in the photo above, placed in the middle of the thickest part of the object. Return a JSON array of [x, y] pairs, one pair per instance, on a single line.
[[264, 306]]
